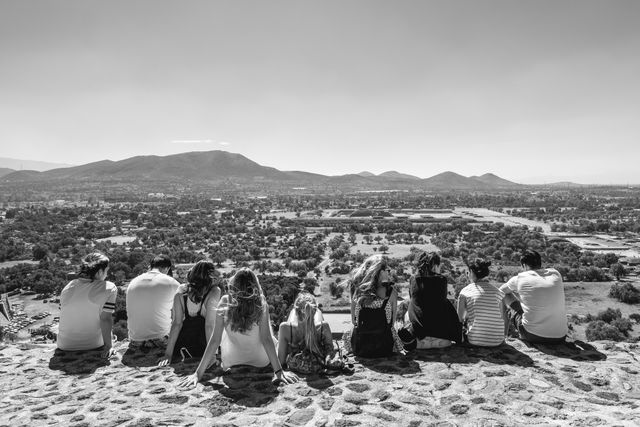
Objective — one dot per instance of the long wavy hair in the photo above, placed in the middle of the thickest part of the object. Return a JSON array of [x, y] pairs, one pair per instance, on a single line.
[[365, 279], [304, 311], [245, 301], [92, 264], [200, 280]]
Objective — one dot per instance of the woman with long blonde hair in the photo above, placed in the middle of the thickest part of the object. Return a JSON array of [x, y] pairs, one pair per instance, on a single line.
[[374, 301], [242, 331], [305, 338]]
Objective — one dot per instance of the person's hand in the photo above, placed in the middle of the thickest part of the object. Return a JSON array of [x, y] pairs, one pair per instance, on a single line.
[[189, 382], [107, 352], [165, 360], [284, 377]]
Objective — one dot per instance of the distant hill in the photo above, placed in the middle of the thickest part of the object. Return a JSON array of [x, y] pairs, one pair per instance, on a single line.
[[5, 171], [221, 167], [451, 180], [495, 181], [397, 175], [18, 164], [194, 166]]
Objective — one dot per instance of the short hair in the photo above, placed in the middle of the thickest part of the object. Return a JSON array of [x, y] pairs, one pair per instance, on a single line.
[[480, 267], [93, 263], [531, 258], [427, 261], [161, 261]]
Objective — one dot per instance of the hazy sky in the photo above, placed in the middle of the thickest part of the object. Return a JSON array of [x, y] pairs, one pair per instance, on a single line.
[[534, 91]]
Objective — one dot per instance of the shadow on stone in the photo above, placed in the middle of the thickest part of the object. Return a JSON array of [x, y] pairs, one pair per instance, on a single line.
[[141, 357], [575, 350], [503, 354], [396, 364], [77, 362]]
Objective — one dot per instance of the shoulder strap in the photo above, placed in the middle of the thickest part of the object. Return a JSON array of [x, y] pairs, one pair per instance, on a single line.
[[185, 308]]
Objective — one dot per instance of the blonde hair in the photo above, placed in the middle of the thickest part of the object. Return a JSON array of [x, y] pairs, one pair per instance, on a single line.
[[364, 281], [304, 311], [245, 301]]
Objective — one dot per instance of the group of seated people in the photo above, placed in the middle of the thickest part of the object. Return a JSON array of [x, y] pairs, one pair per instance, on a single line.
[[201, 320]]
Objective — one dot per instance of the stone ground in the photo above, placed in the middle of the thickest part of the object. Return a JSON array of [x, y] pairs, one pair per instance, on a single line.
[[577, 384]]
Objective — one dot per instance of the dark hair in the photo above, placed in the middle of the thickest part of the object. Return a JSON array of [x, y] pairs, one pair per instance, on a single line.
[[531, 258], [93, 263], [161, 261], [426, 262], [479, 267], [200, 280]]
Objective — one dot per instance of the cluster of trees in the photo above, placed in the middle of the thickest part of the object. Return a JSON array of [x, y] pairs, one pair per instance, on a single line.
[[626, 293], [608, 325]]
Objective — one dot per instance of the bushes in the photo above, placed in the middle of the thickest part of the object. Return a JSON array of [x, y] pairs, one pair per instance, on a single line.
[[626, 293], [600, 330], [608, 325], [336, 289]]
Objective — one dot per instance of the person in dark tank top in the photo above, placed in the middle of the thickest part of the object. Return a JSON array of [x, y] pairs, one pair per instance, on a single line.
[[431, 319]]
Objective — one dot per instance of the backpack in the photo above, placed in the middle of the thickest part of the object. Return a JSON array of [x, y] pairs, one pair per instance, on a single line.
[[372, 336]]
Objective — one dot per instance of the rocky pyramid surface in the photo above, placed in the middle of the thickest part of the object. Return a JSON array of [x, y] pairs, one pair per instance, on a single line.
[[576, 384]]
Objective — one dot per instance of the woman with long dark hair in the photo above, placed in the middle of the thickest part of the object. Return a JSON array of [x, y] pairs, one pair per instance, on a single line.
[[86, 308], [193, 314]]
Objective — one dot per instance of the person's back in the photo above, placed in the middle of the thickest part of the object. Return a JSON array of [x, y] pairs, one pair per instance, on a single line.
[[81, 302], [149, 301], [484, 314], [541, 294], [430, 312]]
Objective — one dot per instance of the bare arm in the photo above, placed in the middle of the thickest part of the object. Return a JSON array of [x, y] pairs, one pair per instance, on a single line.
[[212, 305], [266, 338], [214, 341], [106, 326], [177, 317], [284, 332], [462, 308]]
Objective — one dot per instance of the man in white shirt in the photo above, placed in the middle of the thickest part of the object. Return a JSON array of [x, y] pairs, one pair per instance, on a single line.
[[149, 302], [539, 309]]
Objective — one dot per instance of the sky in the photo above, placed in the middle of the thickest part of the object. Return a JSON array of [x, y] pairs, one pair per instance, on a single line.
[[533, 91]]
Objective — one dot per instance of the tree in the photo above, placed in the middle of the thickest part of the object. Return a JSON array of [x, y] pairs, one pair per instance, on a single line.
[[617, 270], [383, 249]]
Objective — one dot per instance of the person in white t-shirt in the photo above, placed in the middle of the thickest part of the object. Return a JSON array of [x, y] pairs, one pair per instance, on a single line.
[[86, 308], [149, 301], [538, 310]]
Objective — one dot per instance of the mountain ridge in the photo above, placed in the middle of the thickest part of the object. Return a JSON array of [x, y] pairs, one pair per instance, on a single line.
[[222, 166]]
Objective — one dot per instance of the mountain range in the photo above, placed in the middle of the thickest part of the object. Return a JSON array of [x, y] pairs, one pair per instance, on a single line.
[[211, 167]]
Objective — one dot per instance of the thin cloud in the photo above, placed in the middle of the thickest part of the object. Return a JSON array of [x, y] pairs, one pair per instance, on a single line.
[[192, 141], [225, 143]]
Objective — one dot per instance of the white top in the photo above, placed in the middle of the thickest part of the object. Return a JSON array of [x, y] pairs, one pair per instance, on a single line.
[[149, 302], [244, 348], [483, 303], [541, 294], [81, 302]]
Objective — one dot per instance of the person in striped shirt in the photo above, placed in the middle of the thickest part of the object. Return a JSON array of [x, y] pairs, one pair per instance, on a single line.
[[480, 307]]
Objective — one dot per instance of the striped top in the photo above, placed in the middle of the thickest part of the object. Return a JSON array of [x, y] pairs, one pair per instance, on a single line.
[[480, 304]]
